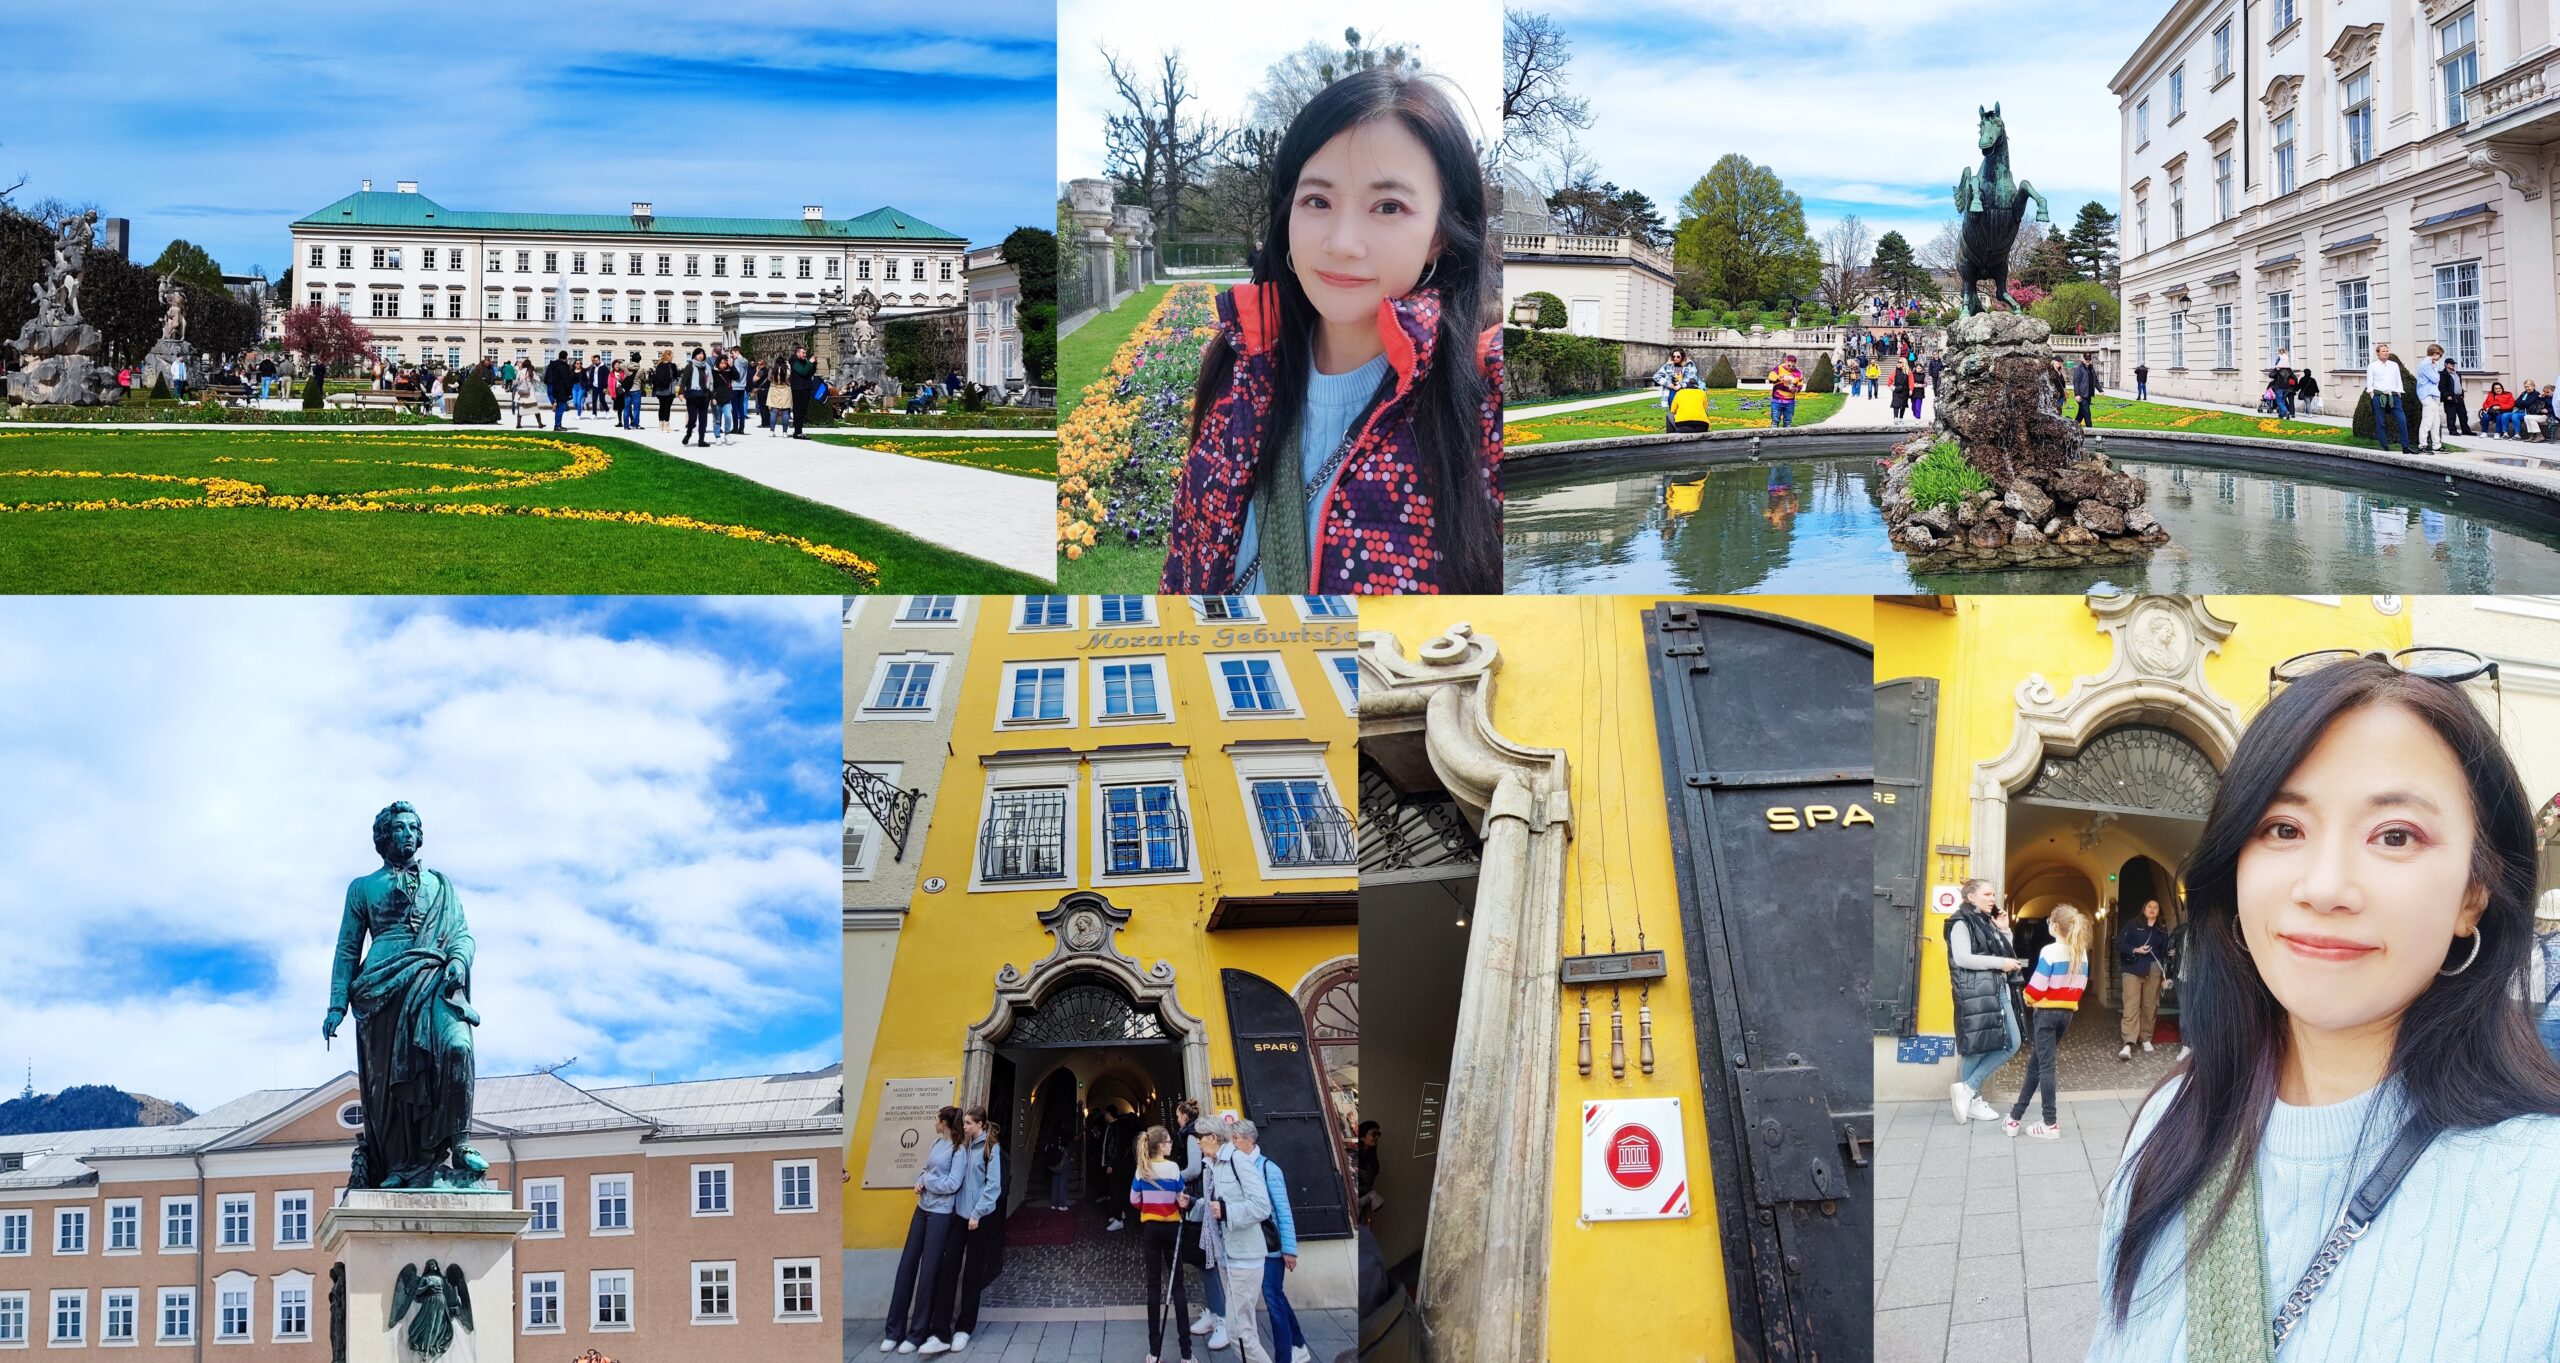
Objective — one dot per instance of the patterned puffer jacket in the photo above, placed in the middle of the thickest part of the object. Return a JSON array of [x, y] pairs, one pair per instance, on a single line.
[[1377, 534]]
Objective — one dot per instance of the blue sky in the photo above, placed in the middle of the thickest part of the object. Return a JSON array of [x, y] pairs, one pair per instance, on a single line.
[[1860, 108], [637, 799], [222, 127]]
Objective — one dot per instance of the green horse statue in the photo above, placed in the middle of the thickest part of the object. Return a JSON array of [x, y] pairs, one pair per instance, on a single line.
[[1993, 203]]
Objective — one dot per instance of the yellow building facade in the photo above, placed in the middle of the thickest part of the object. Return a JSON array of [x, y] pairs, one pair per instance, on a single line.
[[1137, 885], [2065, 748], [1540, 720]]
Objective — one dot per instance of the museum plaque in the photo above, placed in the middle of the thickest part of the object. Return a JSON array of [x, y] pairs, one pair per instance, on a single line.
[[903, 1131]]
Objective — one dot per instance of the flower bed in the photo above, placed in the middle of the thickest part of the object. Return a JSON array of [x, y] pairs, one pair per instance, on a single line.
[[214, 413], [992, 419], [1122, 447]]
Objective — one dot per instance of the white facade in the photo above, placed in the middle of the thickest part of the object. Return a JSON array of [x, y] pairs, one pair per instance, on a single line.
[[452, 287], [995, 320], [1613, 287], [2320, 176]]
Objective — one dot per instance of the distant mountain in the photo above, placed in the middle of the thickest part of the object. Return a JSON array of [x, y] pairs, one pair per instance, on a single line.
[[87, 1107]]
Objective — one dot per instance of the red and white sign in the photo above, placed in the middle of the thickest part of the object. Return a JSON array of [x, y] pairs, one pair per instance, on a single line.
[[1635, 1164], [1945, 898]]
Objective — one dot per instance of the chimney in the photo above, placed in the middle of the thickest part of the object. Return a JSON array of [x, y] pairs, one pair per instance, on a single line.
[[641, 212], [368, 186], [408, 186], [812, 213]]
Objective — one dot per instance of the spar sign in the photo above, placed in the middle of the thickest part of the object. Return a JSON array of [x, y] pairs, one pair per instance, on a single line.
[[1635, 1164]]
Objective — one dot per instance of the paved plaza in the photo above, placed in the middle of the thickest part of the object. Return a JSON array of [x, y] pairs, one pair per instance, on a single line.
[[1095, 1335]]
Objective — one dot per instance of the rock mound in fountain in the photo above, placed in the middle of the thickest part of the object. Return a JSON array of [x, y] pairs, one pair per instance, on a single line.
[[2048, 499]]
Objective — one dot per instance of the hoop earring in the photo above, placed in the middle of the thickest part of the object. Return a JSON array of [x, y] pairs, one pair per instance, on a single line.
[[1427, 271], [1290, 258], [2467, 960], [2239, 937]]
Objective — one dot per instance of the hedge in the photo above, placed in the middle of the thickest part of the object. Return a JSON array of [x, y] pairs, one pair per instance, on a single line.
[[1821, 380], [1549, 364]]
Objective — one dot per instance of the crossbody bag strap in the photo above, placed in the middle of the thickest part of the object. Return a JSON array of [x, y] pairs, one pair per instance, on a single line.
[[2352, 1224]]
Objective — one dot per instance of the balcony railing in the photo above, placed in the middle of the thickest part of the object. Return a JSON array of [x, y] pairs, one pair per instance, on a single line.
[[2513, 90], [1300, 835], [1594, 248], [1025, 837]]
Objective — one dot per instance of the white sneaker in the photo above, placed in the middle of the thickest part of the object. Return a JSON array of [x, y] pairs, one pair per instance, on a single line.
[[1218, 1337], [1984, 1112], [1957, 1093], [959, 1341], [2146, 1048], [2125, 1052], [2009, 1125], [2043, 1132], [934, 1346], [1202, 1323], [1113, 1226], [1299, 1354], [907, 1348], [888, 1346]]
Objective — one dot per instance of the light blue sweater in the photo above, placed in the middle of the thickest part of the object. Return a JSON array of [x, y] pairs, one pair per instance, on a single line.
[[981, 1181], [1333, 403], [2462, 1263], [942, 1175]]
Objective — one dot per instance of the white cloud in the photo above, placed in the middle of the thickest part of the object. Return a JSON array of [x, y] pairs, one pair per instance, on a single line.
[[201, 776]]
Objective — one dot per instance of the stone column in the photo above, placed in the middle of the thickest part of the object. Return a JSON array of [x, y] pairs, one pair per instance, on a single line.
[[472, 1235], [1089, 207]]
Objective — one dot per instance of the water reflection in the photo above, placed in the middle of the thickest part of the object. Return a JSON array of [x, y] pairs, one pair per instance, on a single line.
[[1815, 526]]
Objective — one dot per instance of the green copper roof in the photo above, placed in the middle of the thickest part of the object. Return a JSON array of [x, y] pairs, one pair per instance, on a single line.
[[373, 208]]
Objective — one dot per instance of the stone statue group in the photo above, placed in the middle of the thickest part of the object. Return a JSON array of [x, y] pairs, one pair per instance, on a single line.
[[58, 354]]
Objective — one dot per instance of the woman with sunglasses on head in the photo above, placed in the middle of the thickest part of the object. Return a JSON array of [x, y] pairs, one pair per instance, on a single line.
[[2361, 1158], [1346, 435]]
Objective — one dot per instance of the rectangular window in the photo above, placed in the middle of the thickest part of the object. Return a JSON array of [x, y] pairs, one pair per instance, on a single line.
[[386, 304], [1228, 608], [453, 306], [346, 257], [13, 1317], [2177, 210], [2222, 52], [1039, 693], [2284, 15], [118, 1311], [293, 1312], [692, 311], [604, 262], [495, 262], [1142, 830], [551, 262], [124, 1227], [550, 306], [936, 609], [2222, 205], [2177, 92], [1045, 612], [1347, 668], [1330, 608], [773, 267], [490, 312], [1250, 684], [2458, 313], [862, 268], [542, 1301], [692, 266], [452, 258], [523, 302], [904, 686], [795, 1288], [612, 1292], [612, 1195], [70, 1316], [577, 262], [177, 1314], [719, 267], [835, 267], [380, 255], [2142, 224], [795, 1185], [578, 308], [804, 267], [2285, 181], [235, 1210], [1025, 837], [317, 298], [2178, 340], [1301, 825], [231, 1313], [71, 1230], [2355, 322], [177, 1223], [427, 306], [915, 269], [664, 309], [713, 1290], [2279, 326], [666, 264], [946, 270], [2358, 97], [746, 267], [711, 1190], [1127, 610], [542, 1199], [2142, 123], [1129, 689], [634, 259], [2457, 63], [604, 308], [316, 256], [2223, 357], [524, 262]]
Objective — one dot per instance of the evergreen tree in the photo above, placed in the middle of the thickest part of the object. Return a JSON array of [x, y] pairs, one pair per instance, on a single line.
[[2091, 244], [477, 405], [189, 262], [1896, 271], [2049, 266], [1822, 379]]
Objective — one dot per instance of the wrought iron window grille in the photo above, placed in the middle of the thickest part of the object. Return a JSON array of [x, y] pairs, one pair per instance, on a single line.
[[1302, 826], [1025, 837], [1144, 832]]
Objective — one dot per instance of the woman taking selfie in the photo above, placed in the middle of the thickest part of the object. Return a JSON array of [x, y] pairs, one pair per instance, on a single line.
[[1346, 435], [2361, 1158]]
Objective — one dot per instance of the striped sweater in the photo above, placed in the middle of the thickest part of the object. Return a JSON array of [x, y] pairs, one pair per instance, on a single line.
[[1155, 1193], [2057, 982]]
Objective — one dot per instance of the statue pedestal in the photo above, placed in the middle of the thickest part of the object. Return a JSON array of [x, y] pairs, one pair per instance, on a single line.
[[164, 354], [378, 1231]]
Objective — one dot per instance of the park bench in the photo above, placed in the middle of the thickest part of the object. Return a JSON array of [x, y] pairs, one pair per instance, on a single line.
[[381, 397], [230, 394]]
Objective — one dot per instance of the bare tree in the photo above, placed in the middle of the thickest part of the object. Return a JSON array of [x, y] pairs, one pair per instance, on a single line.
[[1290, 82], [1537, 111], [1942, 250], [1845, 249], [1156, 152]]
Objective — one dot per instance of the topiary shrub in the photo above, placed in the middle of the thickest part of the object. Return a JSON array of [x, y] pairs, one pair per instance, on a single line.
[[160, 387], [1821, 380], [1942, 477], [1552, 314], [315, 393], [2366, 428], [476, 405], [1722, 375]]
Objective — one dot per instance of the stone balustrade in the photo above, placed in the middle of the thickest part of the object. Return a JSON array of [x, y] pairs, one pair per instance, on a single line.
[[1595, 248]]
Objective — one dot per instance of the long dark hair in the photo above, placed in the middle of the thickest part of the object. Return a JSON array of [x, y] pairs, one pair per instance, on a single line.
[[2466, 1055], [994, 1132], [1448, 405], [949, 1120]]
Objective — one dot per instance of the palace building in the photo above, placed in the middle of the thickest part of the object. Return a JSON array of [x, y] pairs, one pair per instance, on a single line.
[[444, 286], [670, 1222], [1611, 850], [2312, 178], [1134, 881]]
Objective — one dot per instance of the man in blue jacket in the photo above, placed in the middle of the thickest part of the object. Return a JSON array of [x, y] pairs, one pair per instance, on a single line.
[[1288, 1342]]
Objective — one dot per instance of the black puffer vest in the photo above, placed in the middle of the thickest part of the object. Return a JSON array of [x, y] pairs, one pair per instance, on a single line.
[[1982, 996]]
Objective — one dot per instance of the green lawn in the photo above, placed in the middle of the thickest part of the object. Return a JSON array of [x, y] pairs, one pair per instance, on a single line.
[[1083, 356], [2124, 414], [1112, 566], [432, 511], [1030, 458], [1643, 416]]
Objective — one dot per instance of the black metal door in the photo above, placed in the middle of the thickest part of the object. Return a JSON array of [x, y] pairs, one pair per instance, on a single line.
[[1906, 746], [1768, 755], [1276, 1079]]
